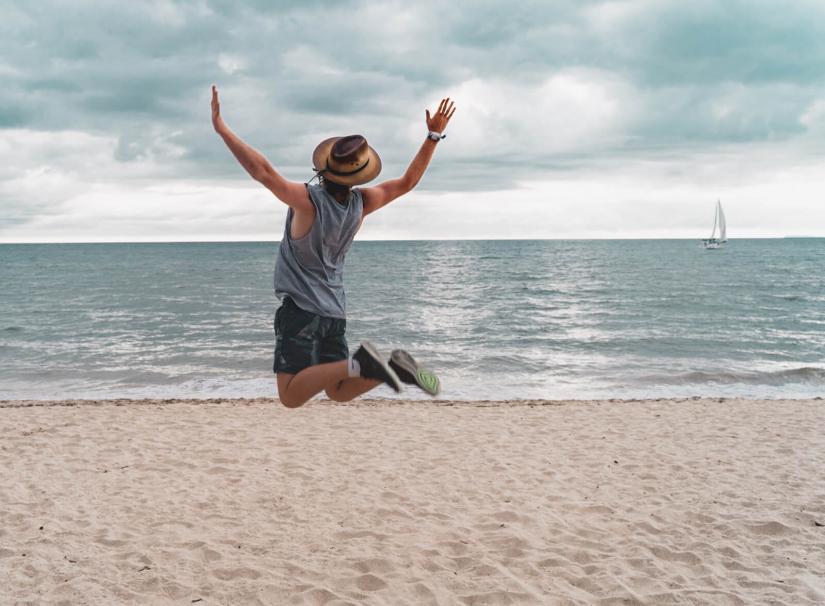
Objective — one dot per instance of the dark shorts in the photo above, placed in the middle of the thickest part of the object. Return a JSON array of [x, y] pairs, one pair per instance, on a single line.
[[304, 339]]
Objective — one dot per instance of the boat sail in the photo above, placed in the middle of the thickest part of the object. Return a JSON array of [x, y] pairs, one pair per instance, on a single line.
[[718, 222]]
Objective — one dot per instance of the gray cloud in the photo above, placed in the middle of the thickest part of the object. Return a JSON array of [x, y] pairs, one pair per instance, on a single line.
[[104, 67], [591, 82]]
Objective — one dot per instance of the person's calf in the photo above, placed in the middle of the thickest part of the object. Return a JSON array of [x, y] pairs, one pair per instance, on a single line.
[[349, 389]]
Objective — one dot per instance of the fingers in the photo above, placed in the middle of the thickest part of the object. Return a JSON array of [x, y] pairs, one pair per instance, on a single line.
[[446, 107], [445, 110]]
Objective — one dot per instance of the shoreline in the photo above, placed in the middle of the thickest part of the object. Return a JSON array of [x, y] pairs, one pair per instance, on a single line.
[[514, 402], [400, 502]]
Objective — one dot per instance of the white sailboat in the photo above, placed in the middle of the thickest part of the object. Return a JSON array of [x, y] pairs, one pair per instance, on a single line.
[[718, 222]]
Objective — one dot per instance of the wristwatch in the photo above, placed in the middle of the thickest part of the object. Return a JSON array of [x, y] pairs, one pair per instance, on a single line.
[[434, 136]]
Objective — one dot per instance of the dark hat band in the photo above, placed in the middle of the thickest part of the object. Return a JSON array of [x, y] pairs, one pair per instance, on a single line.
[[346, 174]]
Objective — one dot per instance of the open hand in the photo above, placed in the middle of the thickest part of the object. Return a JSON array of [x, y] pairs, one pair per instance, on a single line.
[[216, 108], [438, 122]]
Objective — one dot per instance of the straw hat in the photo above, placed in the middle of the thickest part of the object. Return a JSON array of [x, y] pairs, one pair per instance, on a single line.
[[346, 160]]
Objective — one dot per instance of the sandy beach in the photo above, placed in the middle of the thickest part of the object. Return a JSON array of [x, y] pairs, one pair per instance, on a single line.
[[376, 502]]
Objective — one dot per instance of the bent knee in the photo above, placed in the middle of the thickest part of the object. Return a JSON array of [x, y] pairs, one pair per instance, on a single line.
[[290, 402], [282, 389], [335, 395]]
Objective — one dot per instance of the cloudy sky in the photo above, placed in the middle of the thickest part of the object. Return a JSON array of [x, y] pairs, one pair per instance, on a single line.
[[618, 119]]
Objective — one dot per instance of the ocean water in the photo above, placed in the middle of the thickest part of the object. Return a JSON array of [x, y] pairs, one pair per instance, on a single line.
[[496, 319]]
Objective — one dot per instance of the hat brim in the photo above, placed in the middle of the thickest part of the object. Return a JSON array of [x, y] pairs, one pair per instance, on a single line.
[[319, 161]]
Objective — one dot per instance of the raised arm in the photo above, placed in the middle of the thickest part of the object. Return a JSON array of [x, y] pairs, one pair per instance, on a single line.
[[258, 167], [384, 193]]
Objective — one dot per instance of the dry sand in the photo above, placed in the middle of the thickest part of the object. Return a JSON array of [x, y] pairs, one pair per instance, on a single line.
[[246, 502]]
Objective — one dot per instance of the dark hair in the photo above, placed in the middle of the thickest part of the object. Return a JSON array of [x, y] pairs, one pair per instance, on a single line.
[[336, 189]]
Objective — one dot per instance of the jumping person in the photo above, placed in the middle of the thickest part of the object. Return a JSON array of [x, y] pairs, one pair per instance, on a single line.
[[311, 352]]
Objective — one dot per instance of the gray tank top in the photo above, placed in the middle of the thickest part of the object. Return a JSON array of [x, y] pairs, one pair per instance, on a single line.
[[310, 269]]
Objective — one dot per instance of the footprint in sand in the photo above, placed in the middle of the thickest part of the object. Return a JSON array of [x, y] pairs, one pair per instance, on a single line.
[[370, 582]]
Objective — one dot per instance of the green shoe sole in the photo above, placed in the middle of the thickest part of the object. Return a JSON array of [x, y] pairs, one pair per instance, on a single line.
[[428, 381], [411, 373]]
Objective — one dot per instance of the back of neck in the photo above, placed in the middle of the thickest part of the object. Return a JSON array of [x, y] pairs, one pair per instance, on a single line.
[[339, 192]]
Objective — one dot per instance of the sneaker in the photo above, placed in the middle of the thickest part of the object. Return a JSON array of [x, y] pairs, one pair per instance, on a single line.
[[411, 373], [373, 366]]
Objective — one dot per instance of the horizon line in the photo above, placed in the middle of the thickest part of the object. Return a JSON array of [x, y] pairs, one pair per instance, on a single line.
[[252, 241]]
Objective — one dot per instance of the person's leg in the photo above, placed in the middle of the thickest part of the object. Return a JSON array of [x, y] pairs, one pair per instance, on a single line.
[[334, 347], [311, 356], [295, 390], [351, 388], [297, 343]]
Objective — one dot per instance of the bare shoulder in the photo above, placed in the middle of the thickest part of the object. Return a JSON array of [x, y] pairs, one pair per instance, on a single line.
[[368, 195], [291, 193], [382, 194]]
